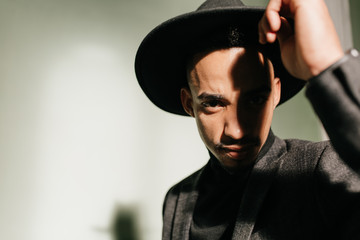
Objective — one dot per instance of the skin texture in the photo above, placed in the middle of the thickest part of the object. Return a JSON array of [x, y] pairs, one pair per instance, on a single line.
[[313, 44], [232, 95]]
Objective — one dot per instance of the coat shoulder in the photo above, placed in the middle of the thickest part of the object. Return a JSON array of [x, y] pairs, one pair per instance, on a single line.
[[305, 155], [171, 198], [301, 146], [185, 184]]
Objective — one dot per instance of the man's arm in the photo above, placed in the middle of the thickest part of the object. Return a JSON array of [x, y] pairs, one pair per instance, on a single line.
[[335, 97], [312, 51]]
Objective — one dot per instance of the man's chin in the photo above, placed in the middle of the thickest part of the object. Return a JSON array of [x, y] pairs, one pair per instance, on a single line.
[[234, 162]]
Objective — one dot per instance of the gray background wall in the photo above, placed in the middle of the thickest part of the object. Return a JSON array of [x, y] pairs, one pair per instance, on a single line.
[[82, 151]]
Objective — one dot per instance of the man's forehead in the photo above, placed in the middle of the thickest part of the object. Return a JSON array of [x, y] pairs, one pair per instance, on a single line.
[[231, 61]]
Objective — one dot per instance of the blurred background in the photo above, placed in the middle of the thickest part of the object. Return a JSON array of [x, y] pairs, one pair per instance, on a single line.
[[84, 155]]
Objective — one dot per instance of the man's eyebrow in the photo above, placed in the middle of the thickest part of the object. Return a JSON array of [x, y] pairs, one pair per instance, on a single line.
[[210, 96], [261, 89]]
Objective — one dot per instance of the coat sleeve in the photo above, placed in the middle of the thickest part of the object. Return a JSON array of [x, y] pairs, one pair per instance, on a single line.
[[335, 97]]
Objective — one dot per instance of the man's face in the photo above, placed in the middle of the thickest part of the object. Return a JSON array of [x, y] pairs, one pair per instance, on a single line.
[[232, 96]]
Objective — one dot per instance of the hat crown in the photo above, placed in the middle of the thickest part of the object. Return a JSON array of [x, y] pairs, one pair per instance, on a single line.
[[213, 4]]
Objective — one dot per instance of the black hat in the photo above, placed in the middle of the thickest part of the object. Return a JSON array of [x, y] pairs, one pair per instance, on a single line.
[[160, 63]]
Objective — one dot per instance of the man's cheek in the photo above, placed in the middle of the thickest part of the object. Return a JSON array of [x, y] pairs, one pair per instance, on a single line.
[[206, 129]]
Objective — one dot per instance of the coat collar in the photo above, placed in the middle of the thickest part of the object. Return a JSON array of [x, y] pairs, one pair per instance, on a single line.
[[257, 187], [185, 209], [259, 182]]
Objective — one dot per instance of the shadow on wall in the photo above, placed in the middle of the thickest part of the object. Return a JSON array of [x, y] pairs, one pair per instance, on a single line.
[[125, 224]]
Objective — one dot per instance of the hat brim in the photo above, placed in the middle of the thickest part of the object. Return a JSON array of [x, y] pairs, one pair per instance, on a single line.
[[160, 63]]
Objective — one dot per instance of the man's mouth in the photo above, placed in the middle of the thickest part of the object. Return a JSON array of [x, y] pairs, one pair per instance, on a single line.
[[237, 151]]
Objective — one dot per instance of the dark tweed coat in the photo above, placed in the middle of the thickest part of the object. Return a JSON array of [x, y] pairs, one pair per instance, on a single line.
[[299, 189]]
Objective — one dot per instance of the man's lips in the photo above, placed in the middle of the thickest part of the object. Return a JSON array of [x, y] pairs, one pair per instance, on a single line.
[[237, 151], [237, 148]]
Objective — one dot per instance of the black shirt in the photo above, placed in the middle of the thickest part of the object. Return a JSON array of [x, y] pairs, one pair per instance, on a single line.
[[219, 198]]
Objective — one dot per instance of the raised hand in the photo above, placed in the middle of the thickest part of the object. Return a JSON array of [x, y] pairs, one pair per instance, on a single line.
[[311, 44]]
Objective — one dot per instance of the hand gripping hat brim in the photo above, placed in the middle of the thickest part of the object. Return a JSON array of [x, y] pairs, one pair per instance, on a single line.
[[160, 63]]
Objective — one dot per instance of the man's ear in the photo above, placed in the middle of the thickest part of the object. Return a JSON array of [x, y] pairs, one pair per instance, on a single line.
[[277, 91], [187, 101]]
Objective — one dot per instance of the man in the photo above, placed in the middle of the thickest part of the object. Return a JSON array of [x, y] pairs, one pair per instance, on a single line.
[[257, 186]]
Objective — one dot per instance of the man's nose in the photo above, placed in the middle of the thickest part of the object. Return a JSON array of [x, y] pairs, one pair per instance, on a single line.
[[232, 128]]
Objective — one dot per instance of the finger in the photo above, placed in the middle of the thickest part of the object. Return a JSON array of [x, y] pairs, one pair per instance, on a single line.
[[270, 22], [272, 15], [266, 33]]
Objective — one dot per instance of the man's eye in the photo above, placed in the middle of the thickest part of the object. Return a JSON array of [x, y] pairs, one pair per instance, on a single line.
[[258, 100], [211, 104]]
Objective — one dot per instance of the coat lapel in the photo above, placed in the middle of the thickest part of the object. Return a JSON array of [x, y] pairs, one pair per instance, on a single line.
[[258, 185], [185, 208]]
